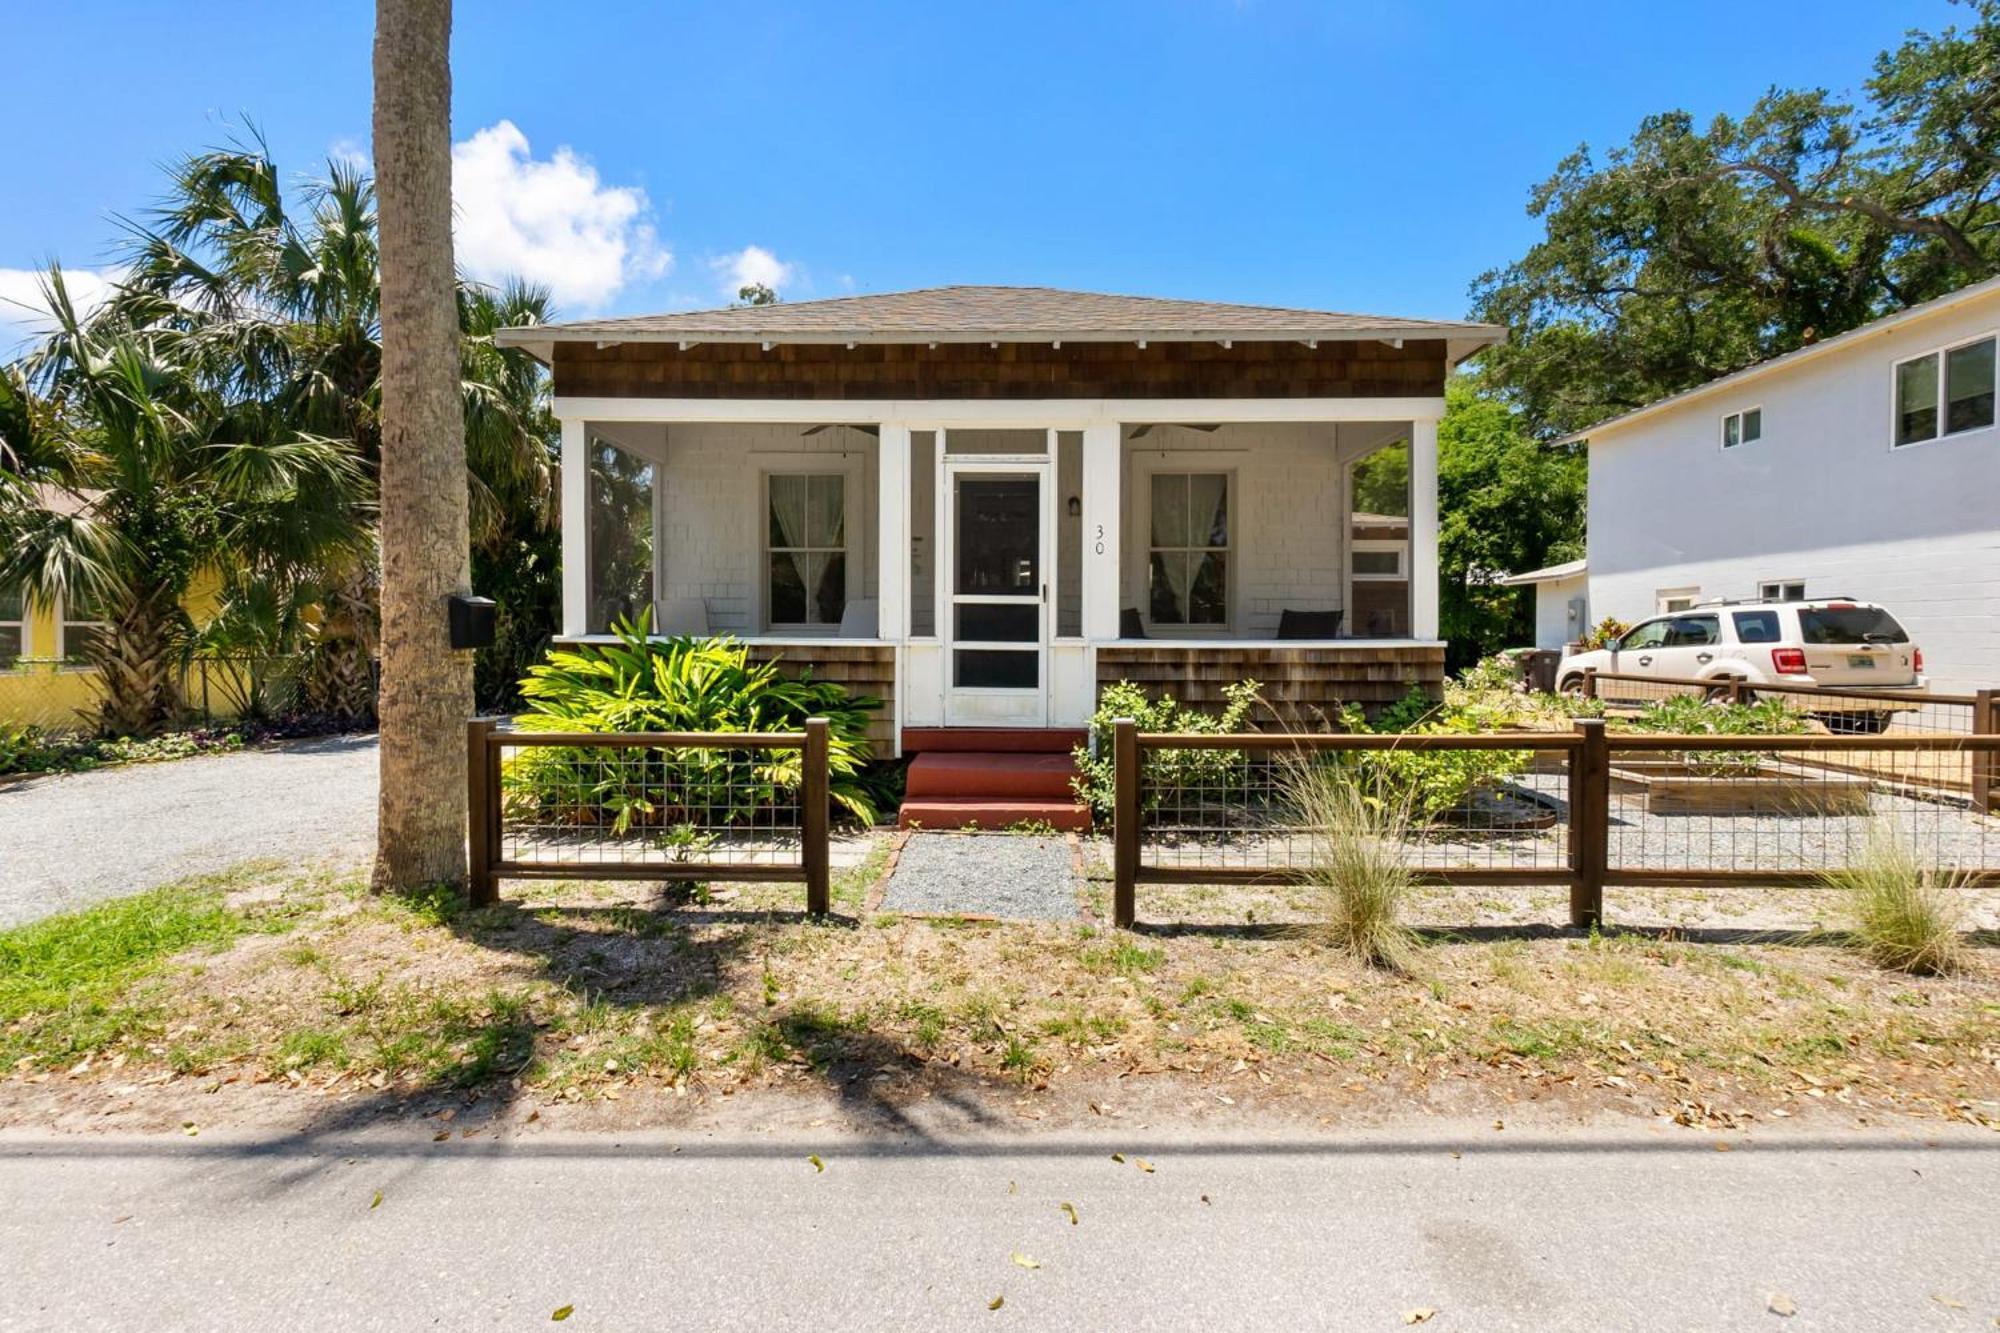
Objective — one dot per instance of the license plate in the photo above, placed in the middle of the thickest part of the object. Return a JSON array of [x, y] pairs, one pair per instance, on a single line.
[[1861, 660]]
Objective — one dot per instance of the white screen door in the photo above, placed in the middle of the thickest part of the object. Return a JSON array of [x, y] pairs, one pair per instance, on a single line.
[[997, 568]]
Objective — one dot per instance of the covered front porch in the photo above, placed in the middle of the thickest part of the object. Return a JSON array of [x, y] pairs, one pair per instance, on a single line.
[[991, 564]]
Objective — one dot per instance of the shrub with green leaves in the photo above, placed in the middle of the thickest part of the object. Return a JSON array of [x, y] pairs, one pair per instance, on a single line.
[[1434, 783], [1172, 776], [1689, 715], [643, 684]]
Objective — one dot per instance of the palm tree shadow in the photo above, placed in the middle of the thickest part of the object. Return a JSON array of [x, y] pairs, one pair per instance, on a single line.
[[659, 958]]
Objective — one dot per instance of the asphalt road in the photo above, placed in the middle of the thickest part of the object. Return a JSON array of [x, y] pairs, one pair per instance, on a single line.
[[70, 840], [1641, 1229]]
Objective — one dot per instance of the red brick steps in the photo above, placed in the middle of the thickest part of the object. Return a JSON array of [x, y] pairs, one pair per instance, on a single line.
[[990, 779]]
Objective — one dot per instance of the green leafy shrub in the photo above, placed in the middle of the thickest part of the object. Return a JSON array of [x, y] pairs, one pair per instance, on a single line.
[[1171, 775], [32, 749], [1432, 783], [1688, 715], [688, 684], [1492, 696], [1603, 634]]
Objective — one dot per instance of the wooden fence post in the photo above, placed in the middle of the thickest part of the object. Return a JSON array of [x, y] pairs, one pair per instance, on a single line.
[[1125, 822], [482, 801], [1589, 822], [1986, 763], [1590, 682], [814, 853]]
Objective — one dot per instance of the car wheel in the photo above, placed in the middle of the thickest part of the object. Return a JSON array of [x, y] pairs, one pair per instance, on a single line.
[[1720, 694], [1571, 686]]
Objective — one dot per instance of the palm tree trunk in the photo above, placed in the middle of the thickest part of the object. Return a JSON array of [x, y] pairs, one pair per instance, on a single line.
[[426, 692], [339, 676], [134, 657]]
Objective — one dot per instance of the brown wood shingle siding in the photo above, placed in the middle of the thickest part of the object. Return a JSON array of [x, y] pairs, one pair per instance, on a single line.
[[864, 668], [1301, 685], [1352, 369]]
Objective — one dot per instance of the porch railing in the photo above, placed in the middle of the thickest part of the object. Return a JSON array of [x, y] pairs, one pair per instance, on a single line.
[[649, 806], [1587, 808]]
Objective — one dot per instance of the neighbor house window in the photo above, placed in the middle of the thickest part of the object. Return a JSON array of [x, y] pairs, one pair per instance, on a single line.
[[805, 548], [1376, 559], [1944, 392], [1742, 427], [1669, 600], [81, 625], [1781, 592], [13, 627], [1188, 549]]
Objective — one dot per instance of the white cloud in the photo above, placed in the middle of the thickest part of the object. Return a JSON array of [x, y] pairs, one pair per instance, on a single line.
[[753, 265], [550, 221], [24, 315]]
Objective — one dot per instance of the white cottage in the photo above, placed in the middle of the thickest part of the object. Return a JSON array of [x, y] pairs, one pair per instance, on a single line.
[[981, 503]]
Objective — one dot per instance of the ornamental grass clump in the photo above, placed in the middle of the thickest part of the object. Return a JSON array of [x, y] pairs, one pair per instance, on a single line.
[[1358, 829], [1902, 914]]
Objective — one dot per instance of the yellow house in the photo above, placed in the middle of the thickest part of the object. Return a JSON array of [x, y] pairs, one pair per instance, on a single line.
[[44, 681]]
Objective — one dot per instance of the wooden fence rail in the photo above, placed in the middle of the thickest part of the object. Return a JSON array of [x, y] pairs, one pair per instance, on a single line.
[[487, 740], [1587, 755]]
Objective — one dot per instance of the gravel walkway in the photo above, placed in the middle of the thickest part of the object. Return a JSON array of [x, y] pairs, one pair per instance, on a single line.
[[70, 840], [1008, 875]]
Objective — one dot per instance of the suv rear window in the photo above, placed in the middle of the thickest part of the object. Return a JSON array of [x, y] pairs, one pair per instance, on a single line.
[[1756, 626], [1849, 624]]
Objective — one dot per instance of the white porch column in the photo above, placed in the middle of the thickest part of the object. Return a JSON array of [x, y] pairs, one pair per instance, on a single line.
[[575, 527], [892, 531], [1424, 529], [1103, 502]]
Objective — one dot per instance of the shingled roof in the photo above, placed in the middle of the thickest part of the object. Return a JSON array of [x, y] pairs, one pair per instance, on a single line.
[[1000, 314]]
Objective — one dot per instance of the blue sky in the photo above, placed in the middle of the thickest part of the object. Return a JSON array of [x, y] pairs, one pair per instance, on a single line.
[[1358, 156]]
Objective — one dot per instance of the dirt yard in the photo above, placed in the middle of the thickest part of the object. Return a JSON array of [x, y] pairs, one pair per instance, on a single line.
[[303, 1001]]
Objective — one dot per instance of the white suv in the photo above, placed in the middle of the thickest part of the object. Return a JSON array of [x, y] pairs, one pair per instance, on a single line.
[[1832, 644]]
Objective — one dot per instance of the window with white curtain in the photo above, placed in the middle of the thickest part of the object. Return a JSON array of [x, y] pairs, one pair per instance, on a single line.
[[805, 548], [1188, 549]]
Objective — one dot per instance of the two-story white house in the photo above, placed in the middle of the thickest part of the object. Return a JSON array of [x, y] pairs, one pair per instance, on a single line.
[[1864, 466]]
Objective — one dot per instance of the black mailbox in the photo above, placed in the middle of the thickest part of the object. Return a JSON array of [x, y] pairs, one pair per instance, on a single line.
[[471, 621]]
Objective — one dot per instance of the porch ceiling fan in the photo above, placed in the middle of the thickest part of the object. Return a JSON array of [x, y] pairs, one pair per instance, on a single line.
[[1138, 432], [875, 431]]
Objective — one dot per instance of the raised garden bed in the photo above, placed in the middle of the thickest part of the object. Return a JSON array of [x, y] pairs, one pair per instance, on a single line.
[[1672, 788]]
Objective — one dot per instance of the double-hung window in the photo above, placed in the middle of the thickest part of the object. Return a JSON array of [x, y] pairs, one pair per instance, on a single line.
[[1188, 549], [13, 626], [1745, 427], [805, 548], [82, 624], [1946, 392]]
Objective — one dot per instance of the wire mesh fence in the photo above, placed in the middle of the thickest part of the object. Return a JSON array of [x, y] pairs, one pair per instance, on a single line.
[[1464, 807], [1587, 808], [706, 806], [1771, 809], [1854, 710]]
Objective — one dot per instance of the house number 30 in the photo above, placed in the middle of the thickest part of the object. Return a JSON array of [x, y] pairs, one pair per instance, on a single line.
[[1100, 539]]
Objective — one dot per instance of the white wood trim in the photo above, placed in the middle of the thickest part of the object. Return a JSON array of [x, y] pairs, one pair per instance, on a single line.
[[1103, 542], [1423, 562], [892, 530], [1025, 414], [575, 526]]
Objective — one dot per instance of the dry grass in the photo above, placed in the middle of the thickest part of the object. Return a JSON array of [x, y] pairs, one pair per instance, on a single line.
[[593, 993]]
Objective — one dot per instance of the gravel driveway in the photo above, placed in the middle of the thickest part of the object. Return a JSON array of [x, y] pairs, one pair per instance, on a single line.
[[74, 839]]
